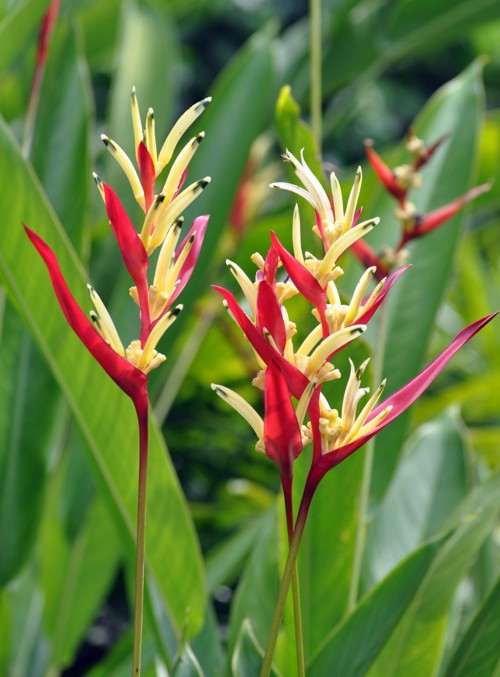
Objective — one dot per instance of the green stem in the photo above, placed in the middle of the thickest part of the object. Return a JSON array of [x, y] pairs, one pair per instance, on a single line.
[[316, 97], [142, 417], [364, 496], [285, 583], [297, 613]]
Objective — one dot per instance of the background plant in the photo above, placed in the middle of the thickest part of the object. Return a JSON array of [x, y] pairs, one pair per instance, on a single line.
[[67, 496]]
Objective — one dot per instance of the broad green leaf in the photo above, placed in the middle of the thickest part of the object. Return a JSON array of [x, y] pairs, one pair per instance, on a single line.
[[60, 151], [350, 648], [428, 484], [248, 655], [17, 26], [478, 652], [27, 651], [76, 576], [416, 646], [257, 591], [103, 413], [225, 561], [327, 552], [187, 665], [456, 110], [100, 22], [207, 646], [415, 26], [29, 397], [373, 36]]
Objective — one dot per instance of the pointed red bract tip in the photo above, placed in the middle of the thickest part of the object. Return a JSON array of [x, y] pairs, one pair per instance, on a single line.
[[384, 173], [148, 177], [130, 379]]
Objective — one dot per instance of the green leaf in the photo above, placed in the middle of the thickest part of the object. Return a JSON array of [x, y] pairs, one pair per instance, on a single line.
[[350, 648], [60, 151], [225, 561], [17, 27], [456, 110], [103, 413], [428, 484], [477, 653], [416, 645], [75, 576], [25, 437], [257, 591], [248, 654], [187, 665], [415, 26]]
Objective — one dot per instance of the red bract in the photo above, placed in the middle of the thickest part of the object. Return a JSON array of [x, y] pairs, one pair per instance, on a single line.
[[295, 379], [269, 316], [384, 173], [282, 436], [399, 401], [132, 250], [147, 169], [197, 230], [428, 222], [306, 284], [130, 379]]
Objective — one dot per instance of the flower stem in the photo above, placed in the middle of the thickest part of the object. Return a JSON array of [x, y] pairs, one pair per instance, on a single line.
[[290, 566], [142, 417], [364, 496], [297, 613], [315, 19]]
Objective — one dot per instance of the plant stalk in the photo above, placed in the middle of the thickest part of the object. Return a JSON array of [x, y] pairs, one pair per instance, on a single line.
[[316, 88], [290, 566], [297, 612], [142, 418]]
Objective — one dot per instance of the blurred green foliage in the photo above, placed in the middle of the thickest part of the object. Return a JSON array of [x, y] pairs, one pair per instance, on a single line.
[[67, 438]]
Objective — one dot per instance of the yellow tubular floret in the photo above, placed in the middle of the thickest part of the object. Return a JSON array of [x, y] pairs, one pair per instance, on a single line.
[[124, 161], [353, 200], [246, 284], [152, 217], [331, 344], [338, 202], [99, 185], [150, 135], [173, 210], [296, 236], [136, 122], [159, 329], [104, 322], [174, 270], [343, 243], [180, 164], [242, 407], [167, 253], [177, 131], [359, 292]]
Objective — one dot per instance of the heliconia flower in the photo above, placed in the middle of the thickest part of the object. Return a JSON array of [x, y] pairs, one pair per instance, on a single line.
[[339, 441], [130, 379]]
